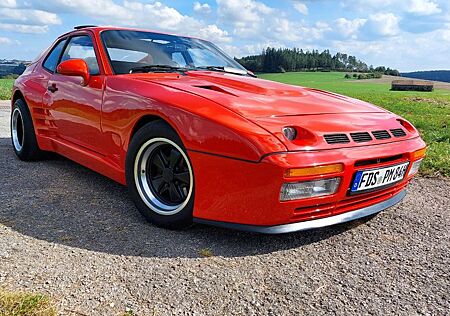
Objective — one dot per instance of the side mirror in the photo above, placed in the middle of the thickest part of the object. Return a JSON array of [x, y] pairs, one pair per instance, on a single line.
[[75, 67]]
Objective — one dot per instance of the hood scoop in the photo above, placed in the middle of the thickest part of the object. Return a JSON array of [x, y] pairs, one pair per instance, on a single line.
[[247, 84], [215, 88]]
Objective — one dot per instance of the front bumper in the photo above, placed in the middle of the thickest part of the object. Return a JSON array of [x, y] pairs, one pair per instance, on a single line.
[[311, 224], [246, 193]]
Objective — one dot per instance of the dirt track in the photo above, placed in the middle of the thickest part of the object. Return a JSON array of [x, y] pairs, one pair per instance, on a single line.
[[388, 79]]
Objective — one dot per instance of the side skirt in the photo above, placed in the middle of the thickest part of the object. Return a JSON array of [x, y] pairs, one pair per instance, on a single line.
[[85, 157]]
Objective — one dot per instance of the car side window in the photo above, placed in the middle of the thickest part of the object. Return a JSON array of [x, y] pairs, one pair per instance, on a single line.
[[81, 47], [51, 61]]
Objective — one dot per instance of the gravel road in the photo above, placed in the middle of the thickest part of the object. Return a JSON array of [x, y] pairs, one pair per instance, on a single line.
[[71, 233]]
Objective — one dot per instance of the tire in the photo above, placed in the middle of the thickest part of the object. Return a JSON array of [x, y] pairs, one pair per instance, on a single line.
[[23, 136], [160, 176]]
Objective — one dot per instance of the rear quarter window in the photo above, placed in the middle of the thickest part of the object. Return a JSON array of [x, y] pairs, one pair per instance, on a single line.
[[51, 61]]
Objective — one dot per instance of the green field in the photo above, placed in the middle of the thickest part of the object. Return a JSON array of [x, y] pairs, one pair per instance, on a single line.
[[428, 111], [5, 88]]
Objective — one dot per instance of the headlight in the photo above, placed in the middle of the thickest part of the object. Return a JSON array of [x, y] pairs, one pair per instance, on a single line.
[[306, 189], [290, 132], [415, 167]]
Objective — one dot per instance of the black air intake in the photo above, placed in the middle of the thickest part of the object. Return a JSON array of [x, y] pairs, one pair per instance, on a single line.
[[398, 132], [361, 137], [337, 138], [381, 134]]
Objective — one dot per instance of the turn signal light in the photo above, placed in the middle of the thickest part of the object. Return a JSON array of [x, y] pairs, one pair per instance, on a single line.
[[314, 171], [419, 153], [415, 167]]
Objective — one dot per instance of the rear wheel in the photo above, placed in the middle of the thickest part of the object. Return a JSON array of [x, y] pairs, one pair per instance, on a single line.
[[22, 133], [160, 176]]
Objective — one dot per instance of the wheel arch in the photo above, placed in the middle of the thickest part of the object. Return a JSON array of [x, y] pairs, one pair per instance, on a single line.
[[146, 119], [17, 94]]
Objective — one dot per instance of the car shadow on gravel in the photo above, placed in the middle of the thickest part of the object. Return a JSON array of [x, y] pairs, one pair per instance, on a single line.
[[61, 202]]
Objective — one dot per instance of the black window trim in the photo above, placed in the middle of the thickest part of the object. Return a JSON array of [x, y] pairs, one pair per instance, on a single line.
[[68, 38], [105, 50], [93, 46]]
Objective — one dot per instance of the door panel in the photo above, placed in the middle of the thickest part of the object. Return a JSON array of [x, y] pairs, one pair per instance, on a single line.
[[76, 108]]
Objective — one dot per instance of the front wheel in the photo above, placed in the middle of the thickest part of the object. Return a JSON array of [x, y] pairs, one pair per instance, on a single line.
[[160, 176]]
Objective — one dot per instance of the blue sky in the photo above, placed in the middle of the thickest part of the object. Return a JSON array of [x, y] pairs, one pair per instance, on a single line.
[[403, 34]]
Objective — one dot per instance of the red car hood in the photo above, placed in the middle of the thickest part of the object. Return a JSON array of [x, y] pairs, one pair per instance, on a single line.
[[253, 97], [273, 105]]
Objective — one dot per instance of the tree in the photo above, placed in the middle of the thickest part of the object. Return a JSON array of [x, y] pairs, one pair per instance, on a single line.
[[285, 59]]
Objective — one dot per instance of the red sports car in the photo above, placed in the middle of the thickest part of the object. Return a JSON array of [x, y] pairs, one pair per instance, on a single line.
[[197, 138]]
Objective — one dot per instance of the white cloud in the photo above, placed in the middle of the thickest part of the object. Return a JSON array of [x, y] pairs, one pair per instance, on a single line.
[[153, 15], [408, 52], [364, 4], [85, 7], [5, 40], [246, 18], [423, 7], [384, 24], [21, 28], [417, 7], [202, 8], [28, 16], [23, 19], [8, 4], [348, 28], [242, 11], [301, 7], [254, 21], [213, 32]]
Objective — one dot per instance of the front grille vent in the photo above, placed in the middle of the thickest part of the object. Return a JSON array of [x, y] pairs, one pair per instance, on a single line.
[[361, 137], [398, 132], [337, 138], [381, 134]]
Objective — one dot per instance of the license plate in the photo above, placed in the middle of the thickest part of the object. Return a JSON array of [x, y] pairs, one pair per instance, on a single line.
[[377, 178]]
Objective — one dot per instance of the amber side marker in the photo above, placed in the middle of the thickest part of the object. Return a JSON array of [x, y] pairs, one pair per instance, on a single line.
[[419, 153], [314, 171]]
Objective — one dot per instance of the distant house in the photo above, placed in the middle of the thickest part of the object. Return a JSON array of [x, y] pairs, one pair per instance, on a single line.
[[412, 85]]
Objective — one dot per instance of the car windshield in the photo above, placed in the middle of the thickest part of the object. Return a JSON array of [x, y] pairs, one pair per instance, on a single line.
[[139, 51]]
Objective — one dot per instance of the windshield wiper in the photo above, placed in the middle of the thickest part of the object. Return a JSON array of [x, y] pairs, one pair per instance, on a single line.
[[230, 70], [157, 68]]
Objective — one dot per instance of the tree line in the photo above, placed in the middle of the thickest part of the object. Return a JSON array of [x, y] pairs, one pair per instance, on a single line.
[[11, 69], [286, 59]]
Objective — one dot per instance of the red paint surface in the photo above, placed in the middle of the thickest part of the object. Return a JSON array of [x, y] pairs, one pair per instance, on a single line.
[[230, 125]]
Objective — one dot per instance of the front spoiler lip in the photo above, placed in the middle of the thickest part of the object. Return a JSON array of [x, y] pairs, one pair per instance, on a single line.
[[311, 224]]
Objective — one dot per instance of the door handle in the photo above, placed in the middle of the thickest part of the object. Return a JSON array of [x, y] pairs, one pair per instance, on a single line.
[[52, 88]]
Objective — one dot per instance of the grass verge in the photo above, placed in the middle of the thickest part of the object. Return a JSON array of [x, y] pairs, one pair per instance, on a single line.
[[25, 304], [5, 88]]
